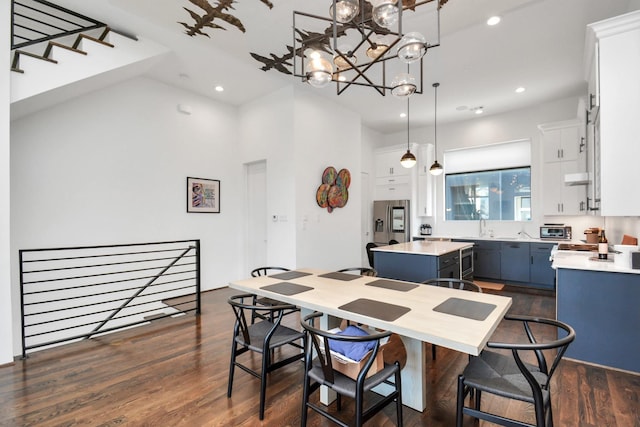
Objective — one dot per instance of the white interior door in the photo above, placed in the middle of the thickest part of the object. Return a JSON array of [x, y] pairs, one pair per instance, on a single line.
[[367, 213], [256, 214]]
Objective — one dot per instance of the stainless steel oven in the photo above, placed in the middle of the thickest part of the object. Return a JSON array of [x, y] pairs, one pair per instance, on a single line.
[[466, 263]]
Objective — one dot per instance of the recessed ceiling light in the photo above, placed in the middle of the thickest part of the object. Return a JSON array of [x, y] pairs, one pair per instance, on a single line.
[[478, 110], [219, 88], [494, 20], [520, 89], [403, 115]]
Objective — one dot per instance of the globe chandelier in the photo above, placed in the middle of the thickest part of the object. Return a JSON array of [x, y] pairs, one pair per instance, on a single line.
[[362, 43]]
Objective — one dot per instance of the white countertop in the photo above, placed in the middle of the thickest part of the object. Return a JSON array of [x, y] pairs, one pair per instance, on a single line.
[[496, 239], [580, 261], [424, 247]]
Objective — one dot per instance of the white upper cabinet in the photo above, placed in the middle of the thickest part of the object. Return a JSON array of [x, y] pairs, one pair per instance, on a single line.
[[563, 154], [393, 181], [613, 67], [561, 141], [388, 163], [426, 183]]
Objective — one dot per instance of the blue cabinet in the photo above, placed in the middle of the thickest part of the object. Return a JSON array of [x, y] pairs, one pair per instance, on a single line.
[[541, 273], [416, 267], [514, 261], [486, 259], [602, 307]]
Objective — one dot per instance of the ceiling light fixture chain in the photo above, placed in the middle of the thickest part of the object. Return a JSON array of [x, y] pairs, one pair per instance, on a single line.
[[362, 39]]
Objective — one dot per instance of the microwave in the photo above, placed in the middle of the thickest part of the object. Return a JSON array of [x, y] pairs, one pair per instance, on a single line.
[[555, 232]]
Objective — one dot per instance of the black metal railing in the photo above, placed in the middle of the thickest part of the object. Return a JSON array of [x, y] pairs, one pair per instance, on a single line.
[[35, 21], [75, 293]]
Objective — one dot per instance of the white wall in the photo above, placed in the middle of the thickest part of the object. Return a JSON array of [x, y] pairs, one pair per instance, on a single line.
[[111, 167], [299, 134], [6, 353], [326, 135], [266, 133]]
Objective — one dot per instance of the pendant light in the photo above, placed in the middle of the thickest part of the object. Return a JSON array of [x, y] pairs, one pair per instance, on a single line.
[[436, 168], [408, 160]]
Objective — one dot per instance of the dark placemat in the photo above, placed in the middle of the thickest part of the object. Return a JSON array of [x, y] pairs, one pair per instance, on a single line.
[[286, 288], [289, 275], [376, 309], [464, 308], [345, 277], [393, 285]]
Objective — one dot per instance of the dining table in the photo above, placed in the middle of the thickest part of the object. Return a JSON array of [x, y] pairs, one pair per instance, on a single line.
[[420, 314]]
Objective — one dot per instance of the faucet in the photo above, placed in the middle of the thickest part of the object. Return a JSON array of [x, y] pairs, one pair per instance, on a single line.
[[483, 225]]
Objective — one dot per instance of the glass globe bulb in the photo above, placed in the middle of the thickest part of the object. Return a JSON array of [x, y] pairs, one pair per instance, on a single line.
[[341, 59], [346, 10], [376, 50], [342, 63], [403, 85], [319, 71], [386, 14], [411, 47]]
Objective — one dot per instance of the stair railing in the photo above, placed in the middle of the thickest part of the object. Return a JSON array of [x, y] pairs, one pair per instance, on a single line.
[[75, 293], [35, 21]]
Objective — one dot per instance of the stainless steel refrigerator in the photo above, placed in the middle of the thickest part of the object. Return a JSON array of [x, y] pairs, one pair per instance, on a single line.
[[391, 221]]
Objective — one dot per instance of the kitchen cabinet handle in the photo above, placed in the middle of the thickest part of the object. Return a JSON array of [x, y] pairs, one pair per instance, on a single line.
[[559, 154], [562, 153], [531, 257], [582, 145], [592, 101], [582, 206]]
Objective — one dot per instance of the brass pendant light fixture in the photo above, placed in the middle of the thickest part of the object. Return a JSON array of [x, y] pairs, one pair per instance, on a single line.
[[408, 160], [436, 168]]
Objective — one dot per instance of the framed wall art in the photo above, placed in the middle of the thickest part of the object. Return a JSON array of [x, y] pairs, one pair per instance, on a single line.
[[203, 195]]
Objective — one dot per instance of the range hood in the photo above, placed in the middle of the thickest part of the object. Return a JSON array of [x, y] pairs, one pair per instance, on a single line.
[[582, 178]]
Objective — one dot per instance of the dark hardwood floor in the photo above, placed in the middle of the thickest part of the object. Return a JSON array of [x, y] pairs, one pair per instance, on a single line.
[[174, 373]]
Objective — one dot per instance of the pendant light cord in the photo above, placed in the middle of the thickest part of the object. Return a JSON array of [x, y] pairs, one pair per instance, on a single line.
[[435, 121], [407, 124]]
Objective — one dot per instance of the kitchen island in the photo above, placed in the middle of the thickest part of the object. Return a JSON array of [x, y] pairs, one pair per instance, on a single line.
[[418, 261], [599, 299]]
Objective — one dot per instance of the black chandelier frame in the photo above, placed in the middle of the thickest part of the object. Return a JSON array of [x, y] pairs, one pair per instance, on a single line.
[[328, 42]]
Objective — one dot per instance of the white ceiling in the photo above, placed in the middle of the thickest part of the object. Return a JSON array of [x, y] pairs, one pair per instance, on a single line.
[[538, 45]]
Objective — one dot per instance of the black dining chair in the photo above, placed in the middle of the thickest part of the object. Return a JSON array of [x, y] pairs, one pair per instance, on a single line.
[[511, 376], [368, 248], [362, 271], [266, 271], [261, 337], [393, 242], [320, 370], [446, 282]]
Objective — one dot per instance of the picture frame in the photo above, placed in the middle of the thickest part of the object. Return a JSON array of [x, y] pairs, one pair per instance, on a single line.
[[203, 195]]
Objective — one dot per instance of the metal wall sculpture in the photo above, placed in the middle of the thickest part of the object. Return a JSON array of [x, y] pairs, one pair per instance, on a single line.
[[334, 190]]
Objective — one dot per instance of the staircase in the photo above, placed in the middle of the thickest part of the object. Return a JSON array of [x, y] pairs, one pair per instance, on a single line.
[[46, 55], [71, 59]]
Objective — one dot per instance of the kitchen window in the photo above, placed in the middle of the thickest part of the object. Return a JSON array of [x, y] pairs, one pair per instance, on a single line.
[[501, 193]]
